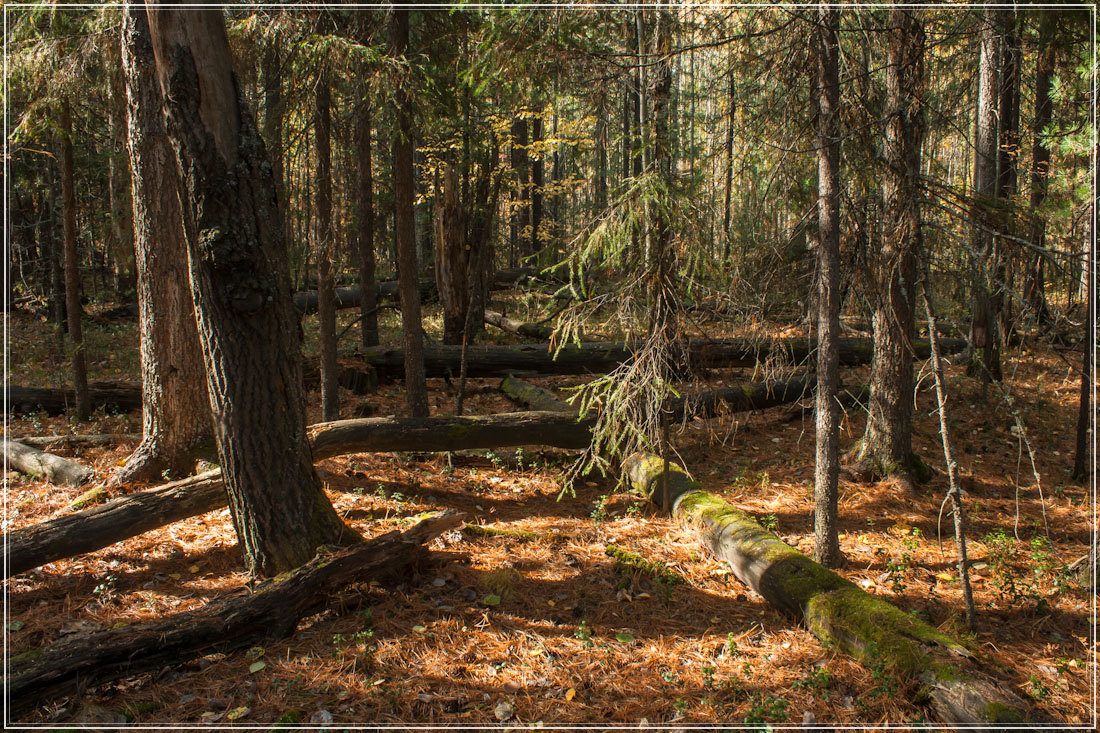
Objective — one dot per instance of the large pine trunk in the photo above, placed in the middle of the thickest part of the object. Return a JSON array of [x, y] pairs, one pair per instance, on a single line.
[[176, 408], [241, 288], [452, 254], [324, 246], [368, 299], [1035, 283], [887, 444]]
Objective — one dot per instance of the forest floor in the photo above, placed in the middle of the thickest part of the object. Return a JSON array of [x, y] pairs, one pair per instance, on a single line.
[[543, 627]]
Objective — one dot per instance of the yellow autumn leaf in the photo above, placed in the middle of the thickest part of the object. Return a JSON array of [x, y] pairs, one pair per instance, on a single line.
[[570, 694]]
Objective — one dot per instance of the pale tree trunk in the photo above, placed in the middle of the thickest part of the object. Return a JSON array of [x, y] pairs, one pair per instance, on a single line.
[[241, 287], [368, 301], [826, 466], [985, 359], [175, 405], [326, 307], [72, 266], [416, 388], [1035, 287], [887, 443]]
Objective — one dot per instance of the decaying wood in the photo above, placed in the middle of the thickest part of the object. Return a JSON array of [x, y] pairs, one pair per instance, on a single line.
[[530, 330], [122, 396], [271, 610], [834, 609], [533, 396], [356, 379], [55, 469], [50, 442], [131, 515], [598, 357]]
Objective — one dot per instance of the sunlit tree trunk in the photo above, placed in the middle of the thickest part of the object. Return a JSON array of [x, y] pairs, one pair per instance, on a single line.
[[887, 443], [241, 287], [175, 405], [826, 466]]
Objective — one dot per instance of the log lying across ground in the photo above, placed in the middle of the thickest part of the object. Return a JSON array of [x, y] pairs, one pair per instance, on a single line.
[[121, 396], [271, 610], [598, 357], [533, 397], [126, 396], [55, 469], [51, 442], [534, 331], [347, 298], [834, 609]]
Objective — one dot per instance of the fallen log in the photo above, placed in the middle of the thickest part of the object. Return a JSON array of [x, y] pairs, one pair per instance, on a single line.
[[117, 520], [533, 397], [530, 330], [45, 442], [356, 379], [347, 298], [121, 396], [128, 516], [55, 469], [271, 610], [598, 357], [834, 609]]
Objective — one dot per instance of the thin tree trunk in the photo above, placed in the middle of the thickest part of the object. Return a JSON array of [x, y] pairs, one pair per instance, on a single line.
[[827, 424], [368, 304], [324, 246], [985, 359], [537, 169], [176, 407], [241, 287], [72, 266], [1008, 151], [416, 388], [1086, 415], [730, 130], [1035, 286]]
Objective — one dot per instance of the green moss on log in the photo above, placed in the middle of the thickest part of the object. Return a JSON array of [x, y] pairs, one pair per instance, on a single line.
[[97, 495], [486, 530], [632, 562]]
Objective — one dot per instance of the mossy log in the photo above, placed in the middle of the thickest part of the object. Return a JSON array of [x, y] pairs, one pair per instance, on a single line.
[[134, 514], [534, 331], [270, 610], [599, 357], [944, 672], [533, 396], [52, 442], [121, 396], [55, 469]]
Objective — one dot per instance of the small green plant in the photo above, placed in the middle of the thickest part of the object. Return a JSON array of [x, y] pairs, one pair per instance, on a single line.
[[765, 480], [105, 590], [600, 513], [819, 679], [708, 675], [766, 710], [669, 676], [731, 645], [1037, 689], [519, 458], [769, 522], [584, 633], [898, 570]]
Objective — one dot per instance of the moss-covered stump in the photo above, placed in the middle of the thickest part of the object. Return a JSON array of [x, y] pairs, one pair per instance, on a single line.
[[271, 610], [533, 396], [941, 670]]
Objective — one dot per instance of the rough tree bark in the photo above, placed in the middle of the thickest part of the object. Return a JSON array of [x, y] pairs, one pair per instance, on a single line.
[[827, 422], [535, 244], [324, 245], [72, 266], [451, 254], [985, 359], [886, 448], [368, 300], [33, 462], [238, 620], [833, 608], [412, 337], [1008, 151], [1035, 286], [241, 288], [176, 408]]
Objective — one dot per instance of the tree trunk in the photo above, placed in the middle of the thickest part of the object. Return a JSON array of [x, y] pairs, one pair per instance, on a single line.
[[1035, 286], [887, 444], [368, 301], [521, 208], [236, 621], [533, 397], [727, 208], [601, 153], [834, 609], [1086, 415], [827, 418], [72, 267], [174, 401], [451, 254], [241, 288], [324, 246], [271, 67], [38, 464], [535, 245], [1008, 151], [985, 359], [416, 389]]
